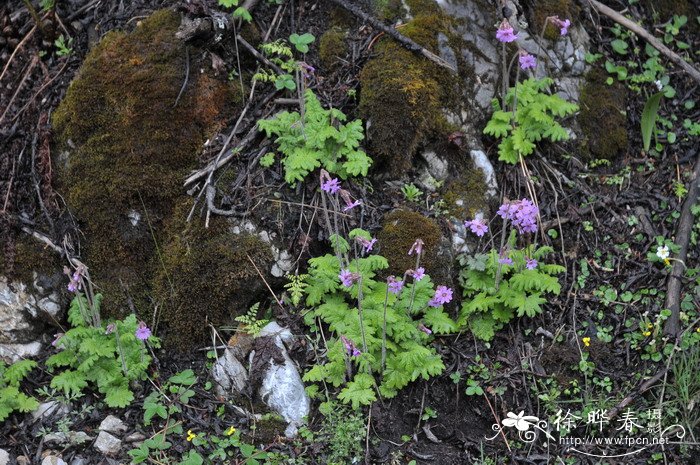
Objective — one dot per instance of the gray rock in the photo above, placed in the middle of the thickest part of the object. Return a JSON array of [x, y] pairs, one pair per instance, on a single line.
[[112, 424], [282, 389], [25, 309], [229, 374], [79, 461], [4, 457], [49, 409], [53, 460], [108, 444], [436, 166]]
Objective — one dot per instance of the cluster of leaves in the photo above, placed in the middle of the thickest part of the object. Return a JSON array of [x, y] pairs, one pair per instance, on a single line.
[[409, 355], [252, 325], [108, 359], [240, 12], [318, 139], [490, 304], [279, 53], [163, 403], [11, 397], [166, 404], [533, 119]]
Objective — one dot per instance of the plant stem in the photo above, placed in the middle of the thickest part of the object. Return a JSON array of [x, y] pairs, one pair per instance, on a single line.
[[386, 301], [120, 348]]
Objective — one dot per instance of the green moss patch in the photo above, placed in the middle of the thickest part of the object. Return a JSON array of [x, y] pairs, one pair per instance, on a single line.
[[133, 149], [602, 116]]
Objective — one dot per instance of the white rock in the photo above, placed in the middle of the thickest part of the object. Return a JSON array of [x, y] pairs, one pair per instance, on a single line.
[[53, 460], [112, 424], [282, 389], [4, 457], [108, 444]]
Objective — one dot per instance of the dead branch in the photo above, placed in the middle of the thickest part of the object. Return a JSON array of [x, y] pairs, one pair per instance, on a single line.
[[644, 34], [674, 281], [405, 41]]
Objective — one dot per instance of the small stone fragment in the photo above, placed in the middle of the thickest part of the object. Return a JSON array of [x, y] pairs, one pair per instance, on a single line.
[[112, 424], [108, 444]]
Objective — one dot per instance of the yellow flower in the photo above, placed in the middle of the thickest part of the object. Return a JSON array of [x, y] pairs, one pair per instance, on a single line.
[[646, 333], [649, 325], [698, 329], [586, 341], [230, 431], [190, 435]]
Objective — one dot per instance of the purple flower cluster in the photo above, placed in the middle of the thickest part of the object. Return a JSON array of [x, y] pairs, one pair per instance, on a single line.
[[347, 278], [530, 263], [563, 25], [522, 213], [443, 295], [74, 284], [505, 260], [526, 60], [418, 274], [505, 32], [477, 226], [331, 186], [143, 332], [349, 202], [395, 285], [350, 347], [366, 245]]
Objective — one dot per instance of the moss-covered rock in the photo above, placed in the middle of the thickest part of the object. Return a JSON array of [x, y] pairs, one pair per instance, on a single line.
[[403, 94], [466, 195], [400, 229], [205, 276], [332, 46], [133, 147], [602, 117]]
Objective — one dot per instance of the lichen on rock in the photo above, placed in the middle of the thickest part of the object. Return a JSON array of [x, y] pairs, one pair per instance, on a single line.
[[133, 146]]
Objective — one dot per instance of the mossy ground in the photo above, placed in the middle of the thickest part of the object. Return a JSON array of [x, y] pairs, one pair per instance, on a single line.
[[403, 94], [602, 117], [400, 229], [205, 276], [134, 147]]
